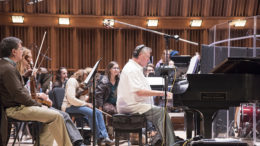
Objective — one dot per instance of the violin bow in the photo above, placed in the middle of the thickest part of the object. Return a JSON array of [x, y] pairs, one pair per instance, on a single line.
[[39, 51], [43, 58]]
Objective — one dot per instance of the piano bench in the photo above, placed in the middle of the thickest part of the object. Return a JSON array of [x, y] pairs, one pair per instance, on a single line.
[[126, 123]]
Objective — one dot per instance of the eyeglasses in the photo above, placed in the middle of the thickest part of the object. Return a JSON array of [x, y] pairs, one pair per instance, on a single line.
[[116, 68]]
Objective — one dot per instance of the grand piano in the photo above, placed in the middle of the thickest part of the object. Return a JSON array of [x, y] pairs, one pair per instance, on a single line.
[[236, 80]]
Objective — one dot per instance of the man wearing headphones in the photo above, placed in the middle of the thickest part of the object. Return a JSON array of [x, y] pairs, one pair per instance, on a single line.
[[134, 94]]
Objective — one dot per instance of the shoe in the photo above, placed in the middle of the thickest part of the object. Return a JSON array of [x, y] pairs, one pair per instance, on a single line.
[[78, 143], [108, 141]]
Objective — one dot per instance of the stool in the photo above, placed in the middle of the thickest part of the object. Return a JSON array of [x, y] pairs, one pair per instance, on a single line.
[[35, 130], [75, 116], [126, 123]]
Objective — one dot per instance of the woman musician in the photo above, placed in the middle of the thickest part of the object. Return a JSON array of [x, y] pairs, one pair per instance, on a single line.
[[25, 70], [72, 104]]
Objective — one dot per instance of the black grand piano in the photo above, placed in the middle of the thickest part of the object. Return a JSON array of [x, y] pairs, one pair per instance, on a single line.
[[236, 80]]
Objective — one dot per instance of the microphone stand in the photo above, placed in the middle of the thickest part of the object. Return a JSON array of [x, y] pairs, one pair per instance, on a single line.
[[92, 75], [165, 69]]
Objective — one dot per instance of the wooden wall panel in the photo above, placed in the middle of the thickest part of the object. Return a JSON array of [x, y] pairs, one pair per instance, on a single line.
[[195, 8], [2, 6], [240, 33], [86, 44], [129, 41], [153, 8], [64, 6], [20, 32], [256, 10], [2, 32], [108, 46], [17, 6], [174, 7], [45, 56], [174, 45], [195, 36], [41, 7], [78, 46], [153, 41], [108, 7], [87, 7], [64, 47], [131, 7]]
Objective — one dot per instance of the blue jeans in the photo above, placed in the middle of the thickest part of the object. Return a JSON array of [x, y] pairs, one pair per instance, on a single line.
[[101, 131]]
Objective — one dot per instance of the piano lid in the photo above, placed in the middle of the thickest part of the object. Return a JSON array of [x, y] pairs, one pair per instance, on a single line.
[[240, 65]]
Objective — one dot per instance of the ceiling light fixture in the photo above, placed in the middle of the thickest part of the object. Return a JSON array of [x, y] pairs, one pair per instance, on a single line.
[[17, 19], [240, 23], [64, 21], [153, 22], [195, 23]]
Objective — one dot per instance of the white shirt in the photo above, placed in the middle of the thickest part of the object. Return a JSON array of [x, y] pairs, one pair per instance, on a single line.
[[132, 80], [70, 95]]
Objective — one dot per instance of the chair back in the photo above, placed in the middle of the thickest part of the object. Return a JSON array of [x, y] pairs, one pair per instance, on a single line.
[[57, 96]]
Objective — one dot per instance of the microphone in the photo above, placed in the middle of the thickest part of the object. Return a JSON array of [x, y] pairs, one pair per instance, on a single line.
[[31, 2], [108, 23]]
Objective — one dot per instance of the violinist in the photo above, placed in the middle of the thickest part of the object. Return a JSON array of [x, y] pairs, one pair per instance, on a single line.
[[72, 130], [17, 101], [72, 104]]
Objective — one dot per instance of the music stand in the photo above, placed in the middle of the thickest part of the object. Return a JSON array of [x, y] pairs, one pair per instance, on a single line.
[[92, 75]]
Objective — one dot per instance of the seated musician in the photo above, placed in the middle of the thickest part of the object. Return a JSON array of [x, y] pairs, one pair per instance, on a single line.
[[106, 90], [61, 78], [162, 61], [24, 67], [44, 79], [134, 94], [17, 101], [149, 70], [72, 104]]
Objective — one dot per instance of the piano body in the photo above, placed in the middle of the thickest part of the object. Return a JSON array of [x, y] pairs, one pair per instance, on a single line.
[[236, 80]]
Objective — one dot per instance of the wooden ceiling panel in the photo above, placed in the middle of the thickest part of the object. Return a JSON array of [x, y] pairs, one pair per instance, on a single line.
[[154, 8], [17, 6], [108, 7], [174, 7], [86, 7]]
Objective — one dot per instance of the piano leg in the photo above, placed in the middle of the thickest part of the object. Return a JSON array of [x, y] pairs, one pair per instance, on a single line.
[[188, 123], [207, 125], [197, 122]]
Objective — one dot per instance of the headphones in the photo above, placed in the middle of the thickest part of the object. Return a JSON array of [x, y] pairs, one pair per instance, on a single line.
[[137, 50]]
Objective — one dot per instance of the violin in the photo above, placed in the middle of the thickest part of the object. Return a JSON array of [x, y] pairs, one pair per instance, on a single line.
[[82, 90], [33, 87]]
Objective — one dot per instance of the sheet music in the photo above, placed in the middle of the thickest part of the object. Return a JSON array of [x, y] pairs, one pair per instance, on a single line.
[[92, 72], [155, 81]]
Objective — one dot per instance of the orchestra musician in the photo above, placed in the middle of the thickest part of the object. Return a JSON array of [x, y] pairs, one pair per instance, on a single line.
[[106, 90], [61, 78], [23, 67], [134, 94], [72, 104], [17, 101]]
